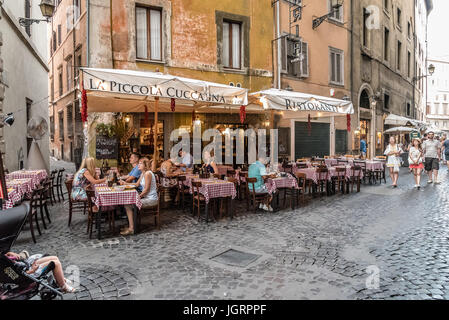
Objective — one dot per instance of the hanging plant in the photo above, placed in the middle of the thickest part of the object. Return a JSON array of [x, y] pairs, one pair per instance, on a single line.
[[107, 130]]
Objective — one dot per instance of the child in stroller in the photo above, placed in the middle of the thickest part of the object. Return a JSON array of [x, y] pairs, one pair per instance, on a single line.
[[36, 265]]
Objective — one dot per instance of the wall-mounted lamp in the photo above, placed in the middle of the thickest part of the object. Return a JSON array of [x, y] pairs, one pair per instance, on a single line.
[[47, 9]]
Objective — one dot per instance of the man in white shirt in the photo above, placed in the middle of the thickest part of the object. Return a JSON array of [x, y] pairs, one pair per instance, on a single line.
[[187, 161]]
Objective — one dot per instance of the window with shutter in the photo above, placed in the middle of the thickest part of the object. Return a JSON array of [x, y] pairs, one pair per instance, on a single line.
[[59, 34], [232, 45], [284, 54], [336, 66], [305, 59], [293, 63], [149, 33]]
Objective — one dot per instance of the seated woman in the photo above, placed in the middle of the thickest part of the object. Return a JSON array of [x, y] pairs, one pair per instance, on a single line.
[[168, 169], [37, 264], [209, 162], [149, 196], [85, 177]]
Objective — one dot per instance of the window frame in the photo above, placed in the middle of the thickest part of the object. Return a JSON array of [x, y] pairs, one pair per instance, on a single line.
[[398, 55], [340, 52], [231, 56], [386, 52], [340, 11], [148, 21]]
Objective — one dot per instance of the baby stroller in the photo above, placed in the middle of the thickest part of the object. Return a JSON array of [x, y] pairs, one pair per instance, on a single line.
[[15, 283]]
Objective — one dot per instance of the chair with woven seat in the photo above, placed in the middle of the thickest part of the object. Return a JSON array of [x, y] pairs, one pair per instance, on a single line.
[[53, 176], [34, 205], [58, 184], [154, 211], [355, 177], [183, 192], [45, 197], [198, 200], [380, 174], [339, 181], [255, 199], [222, 200], [296, 194], [74, 205], [366, 173], [243, 188], [93, 214], [322, 180]]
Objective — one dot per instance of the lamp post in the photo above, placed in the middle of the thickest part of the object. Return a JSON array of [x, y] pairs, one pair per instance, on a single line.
[[47, 8], [431, 71], [336, 5]]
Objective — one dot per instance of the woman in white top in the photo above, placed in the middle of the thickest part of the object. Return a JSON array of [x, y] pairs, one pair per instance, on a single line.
[[415, 161], [149, 195], [393, 152]]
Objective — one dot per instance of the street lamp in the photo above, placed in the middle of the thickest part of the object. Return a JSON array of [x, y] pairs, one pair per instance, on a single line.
[[47, 8], [431, 71], [335, 5], [7, 120]]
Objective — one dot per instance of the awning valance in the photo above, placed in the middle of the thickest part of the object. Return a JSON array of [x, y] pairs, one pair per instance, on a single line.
[[297, 104], [112, 89], [396, 120]]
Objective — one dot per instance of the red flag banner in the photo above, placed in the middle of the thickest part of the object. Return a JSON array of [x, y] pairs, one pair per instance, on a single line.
[[348, 122], [84, 106], [242, 114], [173, 105]]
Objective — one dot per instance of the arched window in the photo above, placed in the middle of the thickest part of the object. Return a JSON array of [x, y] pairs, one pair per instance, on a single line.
[[364, 100]]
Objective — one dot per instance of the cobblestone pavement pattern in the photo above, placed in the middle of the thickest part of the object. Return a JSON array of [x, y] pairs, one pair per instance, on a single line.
[[331, 249]]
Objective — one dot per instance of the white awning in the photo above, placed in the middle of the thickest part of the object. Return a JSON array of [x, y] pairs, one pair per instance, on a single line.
[[298, 105], [398, 130], [396, 120], [115, 90]]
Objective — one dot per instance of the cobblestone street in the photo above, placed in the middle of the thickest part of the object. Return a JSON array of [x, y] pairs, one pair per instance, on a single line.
[[321, 251]]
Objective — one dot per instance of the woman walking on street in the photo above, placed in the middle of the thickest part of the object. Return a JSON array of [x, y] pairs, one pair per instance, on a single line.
[[393, 152], [416, 162]]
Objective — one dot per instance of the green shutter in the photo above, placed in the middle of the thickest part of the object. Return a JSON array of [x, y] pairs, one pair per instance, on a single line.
[[341, 141], [317, 144]]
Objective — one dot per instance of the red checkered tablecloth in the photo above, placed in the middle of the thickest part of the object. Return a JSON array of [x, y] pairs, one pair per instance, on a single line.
[[110, 197], [13, 198], [215, 189], [22, 186], [311, 173], [36, 176], [281, 183]]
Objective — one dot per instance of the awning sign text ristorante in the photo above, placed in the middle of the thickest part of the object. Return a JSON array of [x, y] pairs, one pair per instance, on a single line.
[[309, 106]]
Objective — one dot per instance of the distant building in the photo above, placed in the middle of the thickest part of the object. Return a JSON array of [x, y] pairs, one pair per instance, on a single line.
[[23, 84], [438, 95]]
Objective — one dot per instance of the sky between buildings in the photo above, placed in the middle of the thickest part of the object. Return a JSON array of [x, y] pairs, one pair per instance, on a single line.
[[438, 30]]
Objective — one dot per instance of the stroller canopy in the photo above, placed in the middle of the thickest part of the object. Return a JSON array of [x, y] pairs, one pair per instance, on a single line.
[[11, 223]]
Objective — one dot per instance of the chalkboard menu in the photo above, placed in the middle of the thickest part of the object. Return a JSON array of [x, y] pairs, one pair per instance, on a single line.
[[107, 148]]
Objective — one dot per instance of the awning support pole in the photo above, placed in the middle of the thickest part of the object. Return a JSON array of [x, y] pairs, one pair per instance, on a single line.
[[156, 151]]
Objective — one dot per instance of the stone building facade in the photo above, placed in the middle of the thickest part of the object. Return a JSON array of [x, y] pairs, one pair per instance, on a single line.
[[383, 63], [438, 95], [23, 84], [189, 42], [324, 69]]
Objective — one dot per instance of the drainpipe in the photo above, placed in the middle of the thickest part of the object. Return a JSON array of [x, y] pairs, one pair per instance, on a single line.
[[352, 67], [88, 34], [112, 39], [278, 53]]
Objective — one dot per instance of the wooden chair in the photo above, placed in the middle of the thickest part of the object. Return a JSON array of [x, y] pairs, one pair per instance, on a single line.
[[93, 214], [355, 178], [301, 191], [154, 211], [236, 184], [43, 201], [255, 198], [74, 205], [366, 173], [230, 174], [342, 162], [58, 185], [301, 165], [183, 192], [380, 174], [322, 180], [243, 188], [340, 180], [198, 200], [288, 168], [34, 204], [53, 176]]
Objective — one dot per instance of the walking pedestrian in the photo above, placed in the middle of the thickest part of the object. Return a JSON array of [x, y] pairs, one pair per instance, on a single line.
[[445, 151], [415, 161], [393, 151], [432, 155], [363, 148]]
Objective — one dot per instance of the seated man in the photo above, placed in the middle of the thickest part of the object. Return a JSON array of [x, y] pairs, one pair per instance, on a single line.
[[257, 170], [135, 173], [187, 160]]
